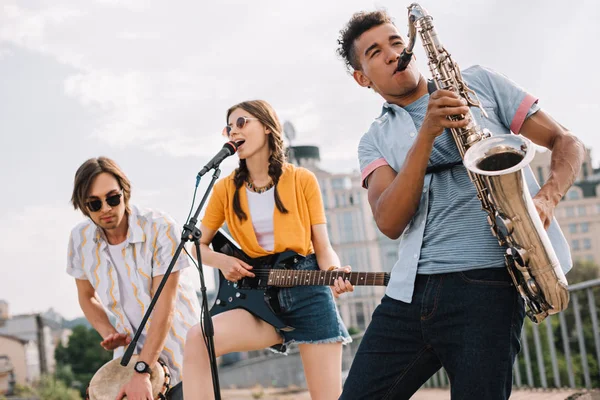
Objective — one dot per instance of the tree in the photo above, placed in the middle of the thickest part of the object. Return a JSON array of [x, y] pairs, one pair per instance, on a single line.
[[81, 358], [48, 388], [583, 271]]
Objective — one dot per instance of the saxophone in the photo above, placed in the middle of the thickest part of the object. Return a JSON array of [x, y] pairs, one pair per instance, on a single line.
[[495, 166]]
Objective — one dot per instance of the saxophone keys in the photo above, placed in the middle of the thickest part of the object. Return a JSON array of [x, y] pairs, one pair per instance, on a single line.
[[504, 225], [519, 256], [533, 287]]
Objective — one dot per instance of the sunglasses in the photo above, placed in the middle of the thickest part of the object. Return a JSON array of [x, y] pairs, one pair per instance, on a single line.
[[112, 200], [239, 123]]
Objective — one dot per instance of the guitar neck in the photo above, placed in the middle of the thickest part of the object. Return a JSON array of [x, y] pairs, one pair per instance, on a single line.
[[285, 278]]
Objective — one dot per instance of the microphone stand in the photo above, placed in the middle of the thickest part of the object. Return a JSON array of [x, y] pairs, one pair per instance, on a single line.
[[190, 233]]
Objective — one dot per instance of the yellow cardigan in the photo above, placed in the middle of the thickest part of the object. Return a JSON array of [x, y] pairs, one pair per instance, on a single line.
[[299, 192]]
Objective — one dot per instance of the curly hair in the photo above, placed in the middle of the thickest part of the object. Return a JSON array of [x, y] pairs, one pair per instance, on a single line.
[[358, 24], [266, 115]]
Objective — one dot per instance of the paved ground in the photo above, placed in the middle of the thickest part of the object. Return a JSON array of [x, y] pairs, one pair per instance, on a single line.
[[423, 394]]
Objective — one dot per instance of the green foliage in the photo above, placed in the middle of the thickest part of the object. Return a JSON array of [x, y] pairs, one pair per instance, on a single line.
[[50, 388], [581, 272], [24, 391], [78, 362], [47, 388], [353, 331], [65, 373]]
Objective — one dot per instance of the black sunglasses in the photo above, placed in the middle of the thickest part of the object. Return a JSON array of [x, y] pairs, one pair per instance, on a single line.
[[240, 123], [112, 200]]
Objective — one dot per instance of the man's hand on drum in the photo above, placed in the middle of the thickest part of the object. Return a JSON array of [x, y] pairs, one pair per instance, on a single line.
[[115, 340], [341, 285], [138, 388]]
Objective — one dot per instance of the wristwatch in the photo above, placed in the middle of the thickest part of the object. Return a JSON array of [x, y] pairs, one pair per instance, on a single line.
[[142, 368]]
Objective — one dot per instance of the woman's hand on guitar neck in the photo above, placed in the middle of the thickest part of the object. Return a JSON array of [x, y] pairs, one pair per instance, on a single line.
[[234, 269], [340, 285]]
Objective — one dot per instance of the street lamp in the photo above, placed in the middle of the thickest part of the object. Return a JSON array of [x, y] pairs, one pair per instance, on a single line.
[[290, 133]]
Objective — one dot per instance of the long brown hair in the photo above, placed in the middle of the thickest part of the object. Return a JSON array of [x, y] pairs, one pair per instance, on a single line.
[[266, 115], [85, 175]]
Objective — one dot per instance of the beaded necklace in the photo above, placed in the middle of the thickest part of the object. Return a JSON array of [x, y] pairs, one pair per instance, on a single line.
[[257, 189]]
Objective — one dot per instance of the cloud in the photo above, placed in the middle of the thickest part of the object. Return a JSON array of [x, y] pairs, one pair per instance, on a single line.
[[138, 35], [34, 239], [30, 28], [136, 5]]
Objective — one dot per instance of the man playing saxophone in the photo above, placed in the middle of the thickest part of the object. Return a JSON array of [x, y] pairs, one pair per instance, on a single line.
[[451, 301]]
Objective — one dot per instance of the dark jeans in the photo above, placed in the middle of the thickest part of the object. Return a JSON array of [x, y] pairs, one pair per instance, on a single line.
[[176, 392], [467, 322]]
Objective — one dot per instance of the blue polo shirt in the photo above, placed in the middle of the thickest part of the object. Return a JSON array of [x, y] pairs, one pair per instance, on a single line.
[[449, 231]]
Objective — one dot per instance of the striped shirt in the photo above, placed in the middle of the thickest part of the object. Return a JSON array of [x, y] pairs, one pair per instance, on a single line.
[[152, 239], [449, 231], [450, 193]]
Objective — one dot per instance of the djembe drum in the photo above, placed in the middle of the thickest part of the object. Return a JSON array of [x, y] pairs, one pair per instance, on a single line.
[[110, 378]]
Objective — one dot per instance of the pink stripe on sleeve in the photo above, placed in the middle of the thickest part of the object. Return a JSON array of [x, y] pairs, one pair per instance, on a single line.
[[521, 113], [380, 162]]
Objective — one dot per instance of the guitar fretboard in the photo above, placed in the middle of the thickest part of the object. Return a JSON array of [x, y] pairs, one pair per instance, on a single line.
[[283, 277]]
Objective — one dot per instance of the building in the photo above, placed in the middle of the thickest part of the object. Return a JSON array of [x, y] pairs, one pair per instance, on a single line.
[[7, 376], [579, 211], [353, 234], [19, 362], [29, 343]]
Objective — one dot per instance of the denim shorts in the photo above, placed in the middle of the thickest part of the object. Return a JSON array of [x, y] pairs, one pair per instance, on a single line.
[[311, 311]]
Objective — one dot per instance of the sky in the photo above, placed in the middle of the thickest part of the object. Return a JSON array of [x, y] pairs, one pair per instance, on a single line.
[[148, 83]]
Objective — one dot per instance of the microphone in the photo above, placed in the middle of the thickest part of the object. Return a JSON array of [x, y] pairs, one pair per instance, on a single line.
[[228, 149]]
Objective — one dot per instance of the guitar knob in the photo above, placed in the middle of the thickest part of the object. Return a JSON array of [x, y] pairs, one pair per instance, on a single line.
[[240, 296], [220, 303]]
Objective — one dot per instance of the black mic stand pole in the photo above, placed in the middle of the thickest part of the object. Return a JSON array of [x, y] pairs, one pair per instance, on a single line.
[[190, 233]]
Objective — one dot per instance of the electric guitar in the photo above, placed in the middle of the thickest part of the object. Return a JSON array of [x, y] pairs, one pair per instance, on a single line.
[[258, 295]]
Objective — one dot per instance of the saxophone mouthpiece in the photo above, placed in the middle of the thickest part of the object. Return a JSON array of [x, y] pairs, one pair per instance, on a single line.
[[404, 60]]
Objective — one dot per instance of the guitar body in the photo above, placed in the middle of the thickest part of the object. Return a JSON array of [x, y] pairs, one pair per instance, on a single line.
[[251, 294], [258, 295]]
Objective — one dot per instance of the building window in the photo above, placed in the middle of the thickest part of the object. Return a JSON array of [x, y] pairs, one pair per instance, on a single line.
[[587, 244], [573, 194], [341, 183], [346, 230], [350, 257], [575, 244], [324, 196], [585, 227], [581, 210], [360, 316], [572, 228], [570, 211]]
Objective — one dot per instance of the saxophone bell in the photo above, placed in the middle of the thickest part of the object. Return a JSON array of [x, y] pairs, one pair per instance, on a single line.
[[499, 155]]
